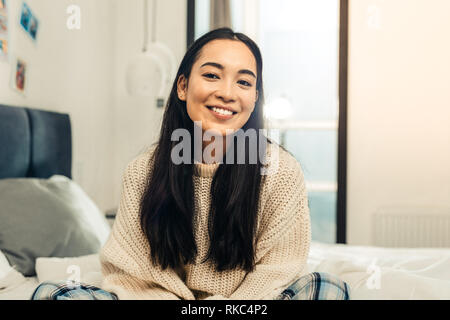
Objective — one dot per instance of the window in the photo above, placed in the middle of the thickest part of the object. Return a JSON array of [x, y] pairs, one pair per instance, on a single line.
[[300, 44]]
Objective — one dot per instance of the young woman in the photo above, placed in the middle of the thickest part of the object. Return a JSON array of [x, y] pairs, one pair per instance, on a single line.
[[219, 229]]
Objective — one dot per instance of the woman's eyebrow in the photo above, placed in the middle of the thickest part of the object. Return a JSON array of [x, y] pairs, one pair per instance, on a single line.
[[221, 67]]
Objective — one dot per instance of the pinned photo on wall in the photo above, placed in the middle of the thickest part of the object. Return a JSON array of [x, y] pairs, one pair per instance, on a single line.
[[3, 22], [28, 21], [3, 31], [3, 49], [18, 78]]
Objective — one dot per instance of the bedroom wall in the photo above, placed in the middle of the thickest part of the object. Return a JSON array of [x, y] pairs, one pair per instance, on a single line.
[[399, 115], [136, 119], [70, 71], [82, 72]]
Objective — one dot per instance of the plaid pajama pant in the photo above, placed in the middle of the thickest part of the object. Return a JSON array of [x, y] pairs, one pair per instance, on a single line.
[[313, 286], [316, 286]]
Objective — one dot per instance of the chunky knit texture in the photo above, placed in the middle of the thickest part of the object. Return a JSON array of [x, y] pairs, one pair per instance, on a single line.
[[282, 240]]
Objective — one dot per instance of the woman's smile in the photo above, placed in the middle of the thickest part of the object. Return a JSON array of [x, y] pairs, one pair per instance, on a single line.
[[222, 113]]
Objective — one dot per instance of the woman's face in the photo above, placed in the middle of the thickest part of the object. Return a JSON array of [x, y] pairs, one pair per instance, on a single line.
[[221, 90]]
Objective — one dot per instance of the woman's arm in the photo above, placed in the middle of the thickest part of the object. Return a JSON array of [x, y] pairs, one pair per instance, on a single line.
[[127, 287], [125, 258]]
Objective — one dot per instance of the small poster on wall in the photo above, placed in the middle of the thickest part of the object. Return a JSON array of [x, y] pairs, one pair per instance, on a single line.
[[3, 31], [28, 21], [18, 79]]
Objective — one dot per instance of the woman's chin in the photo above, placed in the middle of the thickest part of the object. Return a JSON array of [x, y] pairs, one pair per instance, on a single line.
[[219, 130]]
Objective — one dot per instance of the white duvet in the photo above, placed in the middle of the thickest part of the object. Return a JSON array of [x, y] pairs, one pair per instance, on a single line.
[[372, 272], [14, 286], [386, 273]]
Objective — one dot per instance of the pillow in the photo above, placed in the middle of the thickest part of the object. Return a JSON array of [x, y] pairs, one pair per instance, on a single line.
[[84, 269], [47, 218]]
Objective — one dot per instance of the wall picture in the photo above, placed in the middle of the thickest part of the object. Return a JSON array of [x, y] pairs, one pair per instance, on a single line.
[[3, 31], [19, 75], [28, 21]]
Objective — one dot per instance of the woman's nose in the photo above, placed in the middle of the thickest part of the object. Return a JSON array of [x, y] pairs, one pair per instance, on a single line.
[[226, 91]]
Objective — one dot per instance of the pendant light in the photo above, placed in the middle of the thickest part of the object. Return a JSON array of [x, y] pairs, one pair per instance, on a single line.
[[150, 72]]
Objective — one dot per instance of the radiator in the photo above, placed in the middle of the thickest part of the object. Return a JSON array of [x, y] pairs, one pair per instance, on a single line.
[[411, 227]]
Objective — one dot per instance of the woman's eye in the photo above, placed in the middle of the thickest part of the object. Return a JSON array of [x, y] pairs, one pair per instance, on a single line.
[[245, 83], [211, 76]]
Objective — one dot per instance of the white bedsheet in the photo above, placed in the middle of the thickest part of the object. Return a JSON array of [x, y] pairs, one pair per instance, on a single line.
[[372, 272], [386, 273], [14, 286]]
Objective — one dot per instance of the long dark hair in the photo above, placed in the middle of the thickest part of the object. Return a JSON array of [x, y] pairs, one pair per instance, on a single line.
[[167, 205]]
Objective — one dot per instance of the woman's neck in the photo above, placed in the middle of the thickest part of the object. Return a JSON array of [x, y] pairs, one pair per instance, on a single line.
[[212, 152]]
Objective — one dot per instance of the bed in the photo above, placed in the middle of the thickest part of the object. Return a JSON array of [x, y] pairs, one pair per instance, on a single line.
[[46, 219], [64, 229]]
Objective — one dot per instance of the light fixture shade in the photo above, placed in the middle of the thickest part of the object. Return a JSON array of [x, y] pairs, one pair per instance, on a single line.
[[150, 73], [167, 59], [279, 108], [145, 75]]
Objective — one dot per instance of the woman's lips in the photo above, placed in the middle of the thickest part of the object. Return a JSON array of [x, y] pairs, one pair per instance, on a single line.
[[219, 115]]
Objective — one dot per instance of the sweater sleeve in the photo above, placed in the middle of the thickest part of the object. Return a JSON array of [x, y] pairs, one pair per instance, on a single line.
[[284, 241], [125, 257]]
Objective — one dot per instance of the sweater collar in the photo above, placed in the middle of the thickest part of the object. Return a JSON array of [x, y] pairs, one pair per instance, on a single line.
[[205, 170]]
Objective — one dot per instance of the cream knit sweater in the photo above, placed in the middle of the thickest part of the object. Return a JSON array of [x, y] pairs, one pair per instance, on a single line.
[[282, 240]]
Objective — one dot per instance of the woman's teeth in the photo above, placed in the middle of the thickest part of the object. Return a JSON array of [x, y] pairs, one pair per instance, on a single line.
[[222, 111]]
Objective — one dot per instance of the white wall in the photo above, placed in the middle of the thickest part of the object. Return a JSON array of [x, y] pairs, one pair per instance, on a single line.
[[82, 72], [398, 108], [70, 71], [137, 120]]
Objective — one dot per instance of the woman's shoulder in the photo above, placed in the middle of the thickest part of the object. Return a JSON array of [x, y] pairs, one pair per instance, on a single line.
[[140, 165], [282, 176], [280, 163]]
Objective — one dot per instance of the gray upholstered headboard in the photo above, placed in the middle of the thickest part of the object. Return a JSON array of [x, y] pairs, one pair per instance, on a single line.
[[34, 143]]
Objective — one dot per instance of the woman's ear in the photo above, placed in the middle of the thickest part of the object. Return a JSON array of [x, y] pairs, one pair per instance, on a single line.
[[181, 87], [257, 95]]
